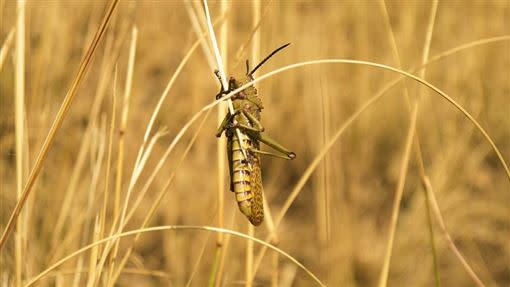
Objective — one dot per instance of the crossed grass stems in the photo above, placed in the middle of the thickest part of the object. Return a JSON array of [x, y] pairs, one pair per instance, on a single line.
[[339, 132]]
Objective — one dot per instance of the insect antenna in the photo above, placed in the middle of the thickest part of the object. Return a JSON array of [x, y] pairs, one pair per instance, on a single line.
[[265, 59]]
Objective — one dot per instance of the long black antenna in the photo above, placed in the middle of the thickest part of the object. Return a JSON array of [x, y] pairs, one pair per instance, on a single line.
[[267, 58]]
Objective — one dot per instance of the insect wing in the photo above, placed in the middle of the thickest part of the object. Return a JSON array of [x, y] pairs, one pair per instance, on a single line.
[[257, 208]]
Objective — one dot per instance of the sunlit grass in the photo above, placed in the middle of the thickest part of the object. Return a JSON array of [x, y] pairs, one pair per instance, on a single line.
[[401, 177]]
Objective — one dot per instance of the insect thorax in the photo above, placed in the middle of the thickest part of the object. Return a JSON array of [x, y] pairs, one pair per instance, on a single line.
[[249, 98]]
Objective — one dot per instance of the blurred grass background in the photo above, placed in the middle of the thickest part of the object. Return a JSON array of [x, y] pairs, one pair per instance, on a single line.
[[338, 225]]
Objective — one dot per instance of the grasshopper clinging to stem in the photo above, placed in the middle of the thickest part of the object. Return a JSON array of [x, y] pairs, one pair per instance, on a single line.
[[245, 172]]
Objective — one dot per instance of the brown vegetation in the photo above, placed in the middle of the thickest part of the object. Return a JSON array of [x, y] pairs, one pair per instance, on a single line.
[[360, 206]]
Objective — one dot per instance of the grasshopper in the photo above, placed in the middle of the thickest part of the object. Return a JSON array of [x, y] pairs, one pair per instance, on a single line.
[[245, 172]]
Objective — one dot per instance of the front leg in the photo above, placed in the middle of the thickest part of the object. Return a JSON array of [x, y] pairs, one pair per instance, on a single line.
[[223, 124], [222, 90]]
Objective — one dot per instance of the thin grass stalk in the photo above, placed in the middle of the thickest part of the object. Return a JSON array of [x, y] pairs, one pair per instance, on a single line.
[[106, 194], [71, 238], [423, 82], [418, 153], [226, 244], [221, 267], [158, 200], [215, 266], [144, 153], [166, 228], [249, 258], [19, 123], [6, 47], [288, 276], [122, 133], [197, 263], [112, 52], [81, 222], [78, 273], [215, 275], [221, 71], [83, 152], [314, 164], [139, 166], [321, 193], [451, 244], [275, 268], [256, 27], [201, 20], [195, 23], [96, 172], [255, 56], [200, 40], [97, 152], [171, 146], [421, 74], [94, 254], [41, 157], [59, 280], [383, 279], [483, 270], [134, 271], [275, 264], [485, 41], [222, 242], [109, 245], [124, 116], [221, 142], [310, 169]]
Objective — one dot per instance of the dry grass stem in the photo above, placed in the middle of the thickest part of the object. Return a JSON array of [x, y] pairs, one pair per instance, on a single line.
[[156, 202], [215, 275], [425, 55], [57, 123], [102, 223], [6, 46], [117, 213], [255, 32], [20, 134], [117, 197], [112, 50], [170, 227], [221, 70], [451, 244], [389, 68], [311, 168], [383, 279], [195, 23]]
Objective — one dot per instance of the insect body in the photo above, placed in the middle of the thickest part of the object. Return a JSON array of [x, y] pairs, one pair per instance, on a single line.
[[244, 162]]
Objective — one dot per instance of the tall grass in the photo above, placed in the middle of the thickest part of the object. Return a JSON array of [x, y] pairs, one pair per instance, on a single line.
[[397, 112]]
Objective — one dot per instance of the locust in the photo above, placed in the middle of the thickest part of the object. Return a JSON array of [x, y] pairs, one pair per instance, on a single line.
[[244, 161]]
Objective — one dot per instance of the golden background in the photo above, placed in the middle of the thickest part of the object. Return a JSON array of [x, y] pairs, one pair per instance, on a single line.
[[339, 224]]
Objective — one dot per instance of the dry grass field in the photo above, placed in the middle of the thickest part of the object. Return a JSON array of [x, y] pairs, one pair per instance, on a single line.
[[398, 181]]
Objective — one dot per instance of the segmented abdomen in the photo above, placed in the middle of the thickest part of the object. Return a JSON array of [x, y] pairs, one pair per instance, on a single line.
[[247, 180]]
